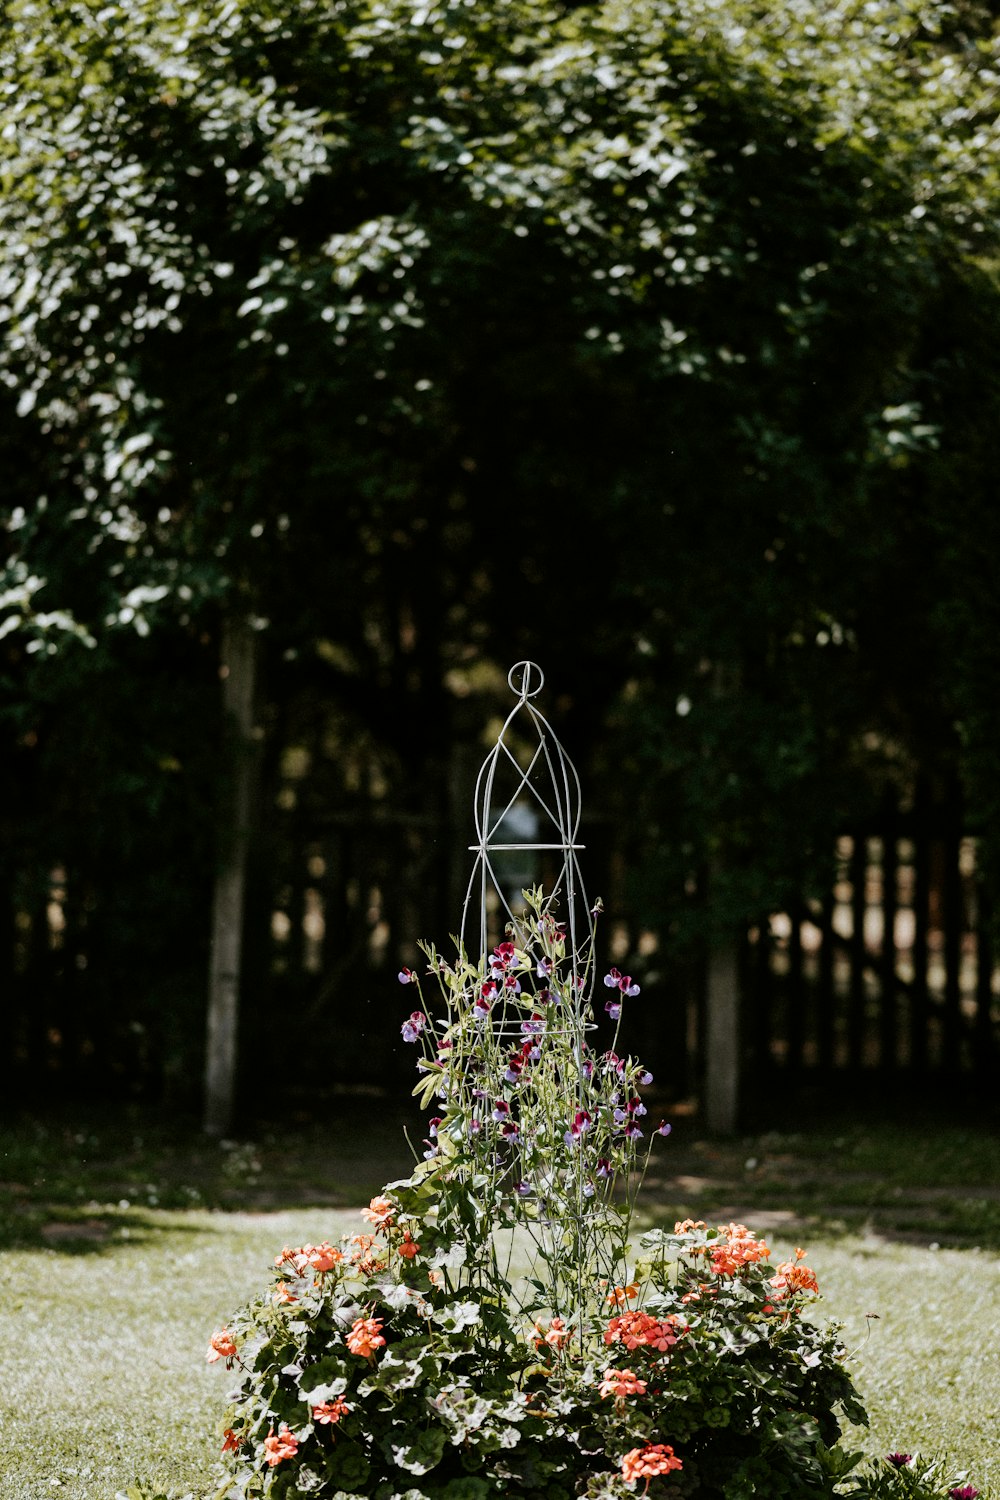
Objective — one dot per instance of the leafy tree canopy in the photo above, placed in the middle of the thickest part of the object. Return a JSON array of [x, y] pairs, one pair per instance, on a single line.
[[467, 323]]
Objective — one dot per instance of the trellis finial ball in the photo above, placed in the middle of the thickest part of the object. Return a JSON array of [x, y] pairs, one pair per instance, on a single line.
[[526, 679]]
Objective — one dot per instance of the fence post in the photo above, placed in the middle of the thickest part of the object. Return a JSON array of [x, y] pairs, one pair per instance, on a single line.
[[722, 1038]]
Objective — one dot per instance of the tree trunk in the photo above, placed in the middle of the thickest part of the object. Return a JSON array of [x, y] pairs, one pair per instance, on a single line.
[[237, 671]]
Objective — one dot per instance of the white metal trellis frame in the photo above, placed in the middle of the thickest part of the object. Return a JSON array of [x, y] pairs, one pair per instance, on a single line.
[[548, 787]]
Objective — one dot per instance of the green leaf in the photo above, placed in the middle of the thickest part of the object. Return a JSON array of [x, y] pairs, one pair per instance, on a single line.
[[347, 1465], [466, 1488], [419, 1455], [458, 1315]]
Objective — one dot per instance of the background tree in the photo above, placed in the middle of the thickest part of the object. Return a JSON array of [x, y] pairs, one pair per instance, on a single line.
[[656, 339]]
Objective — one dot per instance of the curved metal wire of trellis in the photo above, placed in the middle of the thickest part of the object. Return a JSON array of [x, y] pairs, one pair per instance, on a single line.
[[556, 803]]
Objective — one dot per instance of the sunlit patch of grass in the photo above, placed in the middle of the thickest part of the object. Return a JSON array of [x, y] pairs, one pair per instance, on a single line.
[[105, 1378], [929, 1369]]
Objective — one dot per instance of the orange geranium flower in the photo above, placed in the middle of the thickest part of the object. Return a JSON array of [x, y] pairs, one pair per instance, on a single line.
[[646, 1463], [638, 1329], [231, 1441], [330, 1412], [364, 1258], [621, 1296], [408, 1247], [285, 1445], [741, 1248], [792, 1277], [621, 1383], [379, 1212], [298, 1258], [324, 1257], [365, 1337], [555, 1336], [284, 1293], [685, 1226], [221, 1346]]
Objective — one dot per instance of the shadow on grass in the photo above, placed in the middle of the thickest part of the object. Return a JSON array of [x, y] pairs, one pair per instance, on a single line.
[[80, 1232], [89, 1180]]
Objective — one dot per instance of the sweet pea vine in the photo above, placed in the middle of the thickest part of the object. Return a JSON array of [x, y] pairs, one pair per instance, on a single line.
[[540, 1127]]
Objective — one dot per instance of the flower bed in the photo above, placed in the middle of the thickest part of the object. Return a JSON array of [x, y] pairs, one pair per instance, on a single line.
[[413, 1362]]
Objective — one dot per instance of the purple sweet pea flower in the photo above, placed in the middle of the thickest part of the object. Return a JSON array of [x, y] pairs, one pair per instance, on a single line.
[[524, 1189], [411, 1029], [623, 982], [501, 1110], [406, 976], [613, 1008], [663, 1128], [645, 1077]]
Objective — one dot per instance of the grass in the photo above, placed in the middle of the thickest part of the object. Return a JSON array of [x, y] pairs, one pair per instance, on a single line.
[[126, 1242]]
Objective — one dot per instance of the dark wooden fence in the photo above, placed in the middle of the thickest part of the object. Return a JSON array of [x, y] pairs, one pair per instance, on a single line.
[[892, 974]]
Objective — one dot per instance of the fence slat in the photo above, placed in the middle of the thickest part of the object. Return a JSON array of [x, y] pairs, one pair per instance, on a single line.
[[984, 1043], [887, 968], [826, 997], [919, 1009], [856, 1008]]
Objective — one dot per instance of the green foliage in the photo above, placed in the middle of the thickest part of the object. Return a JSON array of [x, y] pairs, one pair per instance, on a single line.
[[365, 1366]]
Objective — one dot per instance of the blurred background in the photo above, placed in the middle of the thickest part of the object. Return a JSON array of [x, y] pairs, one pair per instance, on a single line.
[[350, 353]]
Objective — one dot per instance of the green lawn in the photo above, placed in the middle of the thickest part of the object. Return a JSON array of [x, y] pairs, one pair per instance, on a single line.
[[108, 1307]]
